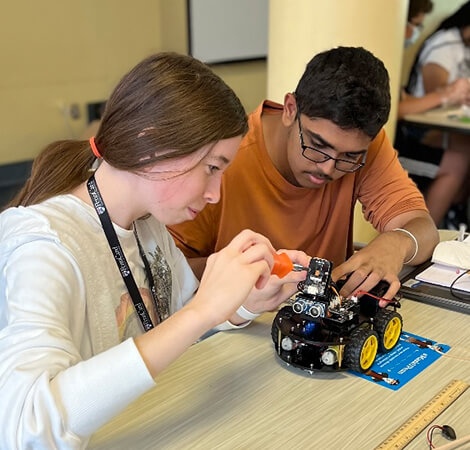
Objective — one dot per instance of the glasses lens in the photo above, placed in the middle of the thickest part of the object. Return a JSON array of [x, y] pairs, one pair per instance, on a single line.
[[346, 166], [314, 155]]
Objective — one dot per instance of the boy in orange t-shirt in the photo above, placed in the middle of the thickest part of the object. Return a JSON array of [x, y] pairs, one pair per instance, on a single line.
[[304, 164]]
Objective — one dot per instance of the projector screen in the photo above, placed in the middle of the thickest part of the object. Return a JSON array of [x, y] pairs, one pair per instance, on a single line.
[[223, 31]]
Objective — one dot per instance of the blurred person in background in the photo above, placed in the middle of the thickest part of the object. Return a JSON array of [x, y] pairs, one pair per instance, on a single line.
[[438, 162]]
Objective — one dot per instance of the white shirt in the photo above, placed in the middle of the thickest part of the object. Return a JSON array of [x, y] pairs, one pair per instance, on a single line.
[[68, 361], [446, 49]]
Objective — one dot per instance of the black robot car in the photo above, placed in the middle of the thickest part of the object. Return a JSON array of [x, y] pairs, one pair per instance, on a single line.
[[321, 330]]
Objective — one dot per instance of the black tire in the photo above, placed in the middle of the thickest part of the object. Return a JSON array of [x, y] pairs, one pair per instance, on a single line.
[[283, 313], [275, 334], [388, 324], [353, 350]]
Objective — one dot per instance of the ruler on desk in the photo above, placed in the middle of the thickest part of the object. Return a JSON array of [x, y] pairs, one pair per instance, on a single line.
[[424, 416]]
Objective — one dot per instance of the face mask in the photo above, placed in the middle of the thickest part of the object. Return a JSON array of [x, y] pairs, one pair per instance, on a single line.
[[414, 36]]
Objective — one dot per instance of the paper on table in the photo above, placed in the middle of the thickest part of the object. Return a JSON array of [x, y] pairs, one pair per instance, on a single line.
[[453, 253], [444, 276]]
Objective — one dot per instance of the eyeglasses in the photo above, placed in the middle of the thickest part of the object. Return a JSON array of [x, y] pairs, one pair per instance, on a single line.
[[343, 165]]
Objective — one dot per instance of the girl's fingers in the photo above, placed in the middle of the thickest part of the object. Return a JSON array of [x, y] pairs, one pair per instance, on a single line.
[[297, 256], [247, 238], [265, 273], [256, 253]]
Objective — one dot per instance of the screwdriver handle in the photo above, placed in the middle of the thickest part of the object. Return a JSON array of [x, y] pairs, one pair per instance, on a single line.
[[282, 265]]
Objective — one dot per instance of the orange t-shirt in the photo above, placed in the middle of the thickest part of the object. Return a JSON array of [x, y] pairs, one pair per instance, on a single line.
[[254, 195]]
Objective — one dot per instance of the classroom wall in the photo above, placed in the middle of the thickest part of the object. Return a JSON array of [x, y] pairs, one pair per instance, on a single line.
[[60, 53], [247, 79]]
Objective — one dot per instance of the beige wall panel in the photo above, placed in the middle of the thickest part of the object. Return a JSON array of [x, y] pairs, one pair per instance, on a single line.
[[60, 52], [298, 33]]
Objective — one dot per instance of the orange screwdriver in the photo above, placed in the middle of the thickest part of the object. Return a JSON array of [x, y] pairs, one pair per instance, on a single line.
[[283, 265]]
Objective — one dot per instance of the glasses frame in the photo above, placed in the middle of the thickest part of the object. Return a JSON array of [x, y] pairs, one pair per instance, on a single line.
[[326, 156]]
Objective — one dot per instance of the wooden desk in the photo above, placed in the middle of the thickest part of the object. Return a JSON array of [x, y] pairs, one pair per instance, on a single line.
[[231, 392], [439, 119]]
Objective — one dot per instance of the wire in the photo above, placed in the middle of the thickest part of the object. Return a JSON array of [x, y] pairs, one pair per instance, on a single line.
[[448, 356], [374, 296], [337, 294], [429, 434], [438, 348], [451, 288]]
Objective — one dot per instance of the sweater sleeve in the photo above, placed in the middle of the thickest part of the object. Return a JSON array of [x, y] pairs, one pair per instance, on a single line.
[[51, 397]]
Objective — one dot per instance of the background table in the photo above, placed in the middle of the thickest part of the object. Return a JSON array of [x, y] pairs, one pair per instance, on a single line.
[[231, 392], [438, 119]]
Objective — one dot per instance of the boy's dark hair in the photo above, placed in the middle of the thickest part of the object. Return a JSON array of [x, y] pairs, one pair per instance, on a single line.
[[416, 7], [347, 85]]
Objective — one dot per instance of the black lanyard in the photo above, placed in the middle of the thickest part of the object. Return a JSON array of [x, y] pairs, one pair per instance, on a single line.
[[120, 259]]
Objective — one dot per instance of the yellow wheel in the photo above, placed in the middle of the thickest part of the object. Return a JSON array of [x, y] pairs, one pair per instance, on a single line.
[[388, 325], [369, 351], [360, 352]]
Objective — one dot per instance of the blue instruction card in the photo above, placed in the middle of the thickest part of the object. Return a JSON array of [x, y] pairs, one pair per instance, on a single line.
[[410, 357]]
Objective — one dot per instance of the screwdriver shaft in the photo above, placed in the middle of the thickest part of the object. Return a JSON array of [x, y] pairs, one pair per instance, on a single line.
[[299, 267]]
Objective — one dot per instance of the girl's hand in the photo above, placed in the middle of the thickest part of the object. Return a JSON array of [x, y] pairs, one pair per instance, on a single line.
[[277, 290], [231, 274]]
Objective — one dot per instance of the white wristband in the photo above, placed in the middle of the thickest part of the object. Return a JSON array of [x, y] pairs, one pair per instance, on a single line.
[[245, 314], [414, 240], [227, 325]]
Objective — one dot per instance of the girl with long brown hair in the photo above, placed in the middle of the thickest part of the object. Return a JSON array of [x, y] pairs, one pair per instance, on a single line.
[[95, 299]]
